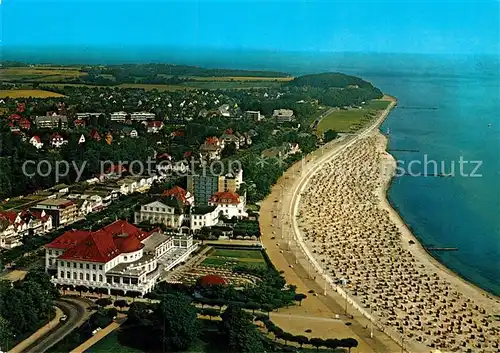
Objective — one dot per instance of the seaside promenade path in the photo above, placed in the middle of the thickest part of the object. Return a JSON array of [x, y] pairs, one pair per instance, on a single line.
[[277, 230], [100, 334]]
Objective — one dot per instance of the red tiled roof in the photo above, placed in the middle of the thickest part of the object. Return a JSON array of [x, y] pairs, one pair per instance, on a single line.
[[229, 131], [15, 117], [95, 135], [36, 138], [212, 140], [69, 239], [177, 192], [56, 136], [102, 245], [9, 216], [225, 197], [155, 123], [96, 247], [164, 156], [24, 123], [79, 122], [188, 154]]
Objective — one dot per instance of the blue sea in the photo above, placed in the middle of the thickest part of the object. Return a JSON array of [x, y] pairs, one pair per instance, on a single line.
[[448, 111]]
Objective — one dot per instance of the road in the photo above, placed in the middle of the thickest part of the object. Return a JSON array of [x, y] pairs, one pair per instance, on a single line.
[[77, 313]]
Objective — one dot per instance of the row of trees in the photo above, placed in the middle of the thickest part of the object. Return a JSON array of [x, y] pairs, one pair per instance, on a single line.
[[331, 343]]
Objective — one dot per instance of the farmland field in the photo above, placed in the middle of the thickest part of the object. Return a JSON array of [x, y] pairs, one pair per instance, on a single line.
[[25, 93], [39, 74]]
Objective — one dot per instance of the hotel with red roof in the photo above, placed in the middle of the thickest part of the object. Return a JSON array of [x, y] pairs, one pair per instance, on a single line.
[[118, 257]]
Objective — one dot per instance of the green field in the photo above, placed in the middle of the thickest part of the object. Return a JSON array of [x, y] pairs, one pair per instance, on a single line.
[[26, 93], [352, 119], [40, 74], [231, 258]]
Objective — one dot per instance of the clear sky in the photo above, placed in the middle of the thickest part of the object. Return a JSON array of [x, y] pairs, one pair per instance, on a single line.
[[423, 26]]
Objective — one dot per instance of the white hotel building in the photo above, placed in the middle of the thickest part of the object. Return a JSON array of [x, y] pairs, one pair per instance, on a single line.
[[119, 257]]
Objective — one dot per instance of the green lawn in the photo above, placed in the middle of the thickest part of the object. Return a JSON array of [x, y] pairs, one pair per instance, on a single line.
[[231, 258], [352, 119]]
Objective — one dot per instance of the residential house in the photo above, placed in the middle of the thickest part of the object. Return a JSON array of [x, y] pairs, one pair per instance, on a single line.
[[57, 140], [204, 216], [24, 123], [12, 229], [80, 123], [62, 211], [81, 139], [129, 132], [231, 204], [211, 149], [36, 142], [38, 222], [182, 195], [154, 126], [228, 137], [119, 258], [86, 116], [204, 186], [94, 135]]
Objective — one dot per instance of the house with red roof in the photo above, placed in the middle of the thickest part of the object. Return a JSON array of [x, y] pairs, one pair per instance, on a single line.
[[36, 142], [230, 203], [120, 258], [180, 194], [154, 126], [24, 123], [57, 140], [38, 221], [12, 229], [94, 135], [211, 149], [80, 123]]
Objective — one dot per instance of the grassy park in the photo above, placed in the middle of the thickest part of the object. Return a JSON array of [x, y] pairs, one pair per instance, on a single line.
[[351, 119]]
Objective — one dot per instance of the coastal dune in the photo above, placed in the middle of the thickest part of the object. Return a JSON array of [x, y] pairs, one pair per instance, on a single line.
[[354, 234]]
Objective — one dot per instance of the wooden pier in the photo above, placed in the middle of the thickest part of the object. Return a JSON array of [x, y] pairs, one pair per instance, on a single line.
[[441, 249]]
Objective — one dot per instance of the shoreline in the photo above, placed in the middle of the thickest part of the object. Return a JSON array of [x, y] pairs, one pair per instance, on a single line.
[[419, 250], [429, 266]]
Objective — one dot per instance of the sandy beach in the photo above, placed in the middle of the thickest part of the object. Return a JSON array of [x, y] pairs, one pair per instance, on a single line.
[[353, 233]]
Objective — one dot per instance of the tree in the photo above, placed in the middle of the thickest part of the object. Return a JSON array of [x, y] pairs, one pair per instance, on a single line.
[[103, 302], [120, 303], [253, 306], [301, 340], [138, 314], [317, 342], [240, 332], [177, 322], [330, 135], [5, 333], [348, 343], [287, 336], [300, 297], [229, 150], [332, 343]]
